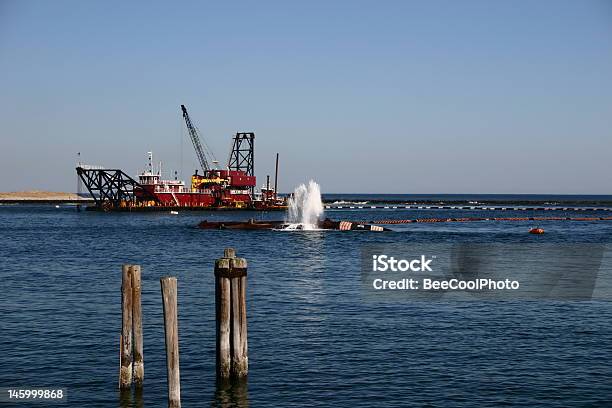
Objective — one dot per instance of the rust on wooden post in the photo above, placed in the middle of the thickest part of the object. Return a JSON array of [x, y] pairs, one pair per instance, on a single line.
[[169, 297], [231, 320], [137, 325], [125, 374]]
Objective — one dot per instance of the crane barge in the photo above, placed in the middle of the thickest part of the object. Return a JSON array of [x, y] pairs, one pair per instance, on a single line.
[[230, 188]]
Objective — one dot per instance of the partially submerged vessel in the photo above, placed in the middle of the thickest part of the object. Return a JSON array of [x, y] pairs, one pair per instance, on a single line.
[[325, 224]]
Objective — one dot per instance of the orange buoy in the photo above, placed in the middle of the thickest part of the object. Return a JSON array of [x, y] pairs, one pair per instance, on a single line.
[[536, 230]]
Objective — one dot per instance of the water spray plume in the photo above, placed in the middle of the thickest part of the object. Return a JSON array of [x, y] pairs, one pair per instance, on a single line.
[[305, 207]]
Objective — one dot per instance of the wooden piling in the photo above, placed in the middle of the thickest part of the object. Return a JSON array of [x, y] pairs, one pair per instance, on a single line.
[[223, 304], [169, 296], [125, 374], [231, 321], [137, 327], [240, 354]]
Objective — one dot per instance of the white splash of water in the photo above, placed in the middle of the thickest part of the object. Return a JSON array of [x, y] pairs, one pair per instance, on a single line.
[[305, 207]]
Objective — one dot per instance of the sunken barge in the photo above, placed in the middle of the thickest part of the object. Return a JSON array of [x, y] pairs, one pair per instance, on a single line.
[[325, 224]]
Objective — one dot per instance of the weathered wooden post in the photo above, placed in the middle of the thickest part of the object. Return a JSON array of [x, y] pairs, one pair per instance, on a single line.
[[223, 303], [137, 324], [240, 353], [169, 296], [125, 374], [231, 318]]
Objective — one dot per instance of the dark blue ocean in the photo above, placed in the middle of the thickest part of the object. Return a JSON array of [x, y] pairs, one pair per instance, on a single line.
[[312, 338]]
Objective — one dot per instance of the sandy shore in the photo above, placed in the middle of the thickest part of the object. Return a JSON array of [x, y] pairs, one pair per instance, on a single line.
[[41, 196]]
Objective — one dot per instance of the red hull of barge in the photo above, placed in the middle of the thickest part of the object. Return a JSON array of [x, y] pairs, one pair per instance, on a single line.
[[204, 200]]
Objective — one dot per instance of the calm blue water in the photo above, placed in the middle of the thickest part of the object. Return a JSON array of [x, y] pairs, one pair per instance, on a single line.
[[312, 340]]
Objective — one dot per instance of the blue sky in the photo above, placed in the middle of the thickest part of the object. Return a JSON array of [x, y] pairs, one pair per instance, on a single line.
[[362, 96]]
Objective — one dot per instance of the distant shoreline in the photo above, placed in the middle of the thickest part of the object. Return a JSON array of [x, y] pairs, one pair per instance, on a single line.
[[50, 197], [42, 197]]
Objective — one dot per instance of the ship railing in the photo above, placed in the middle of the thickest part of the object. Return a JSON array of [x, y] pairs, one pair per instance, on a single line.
[[171, 190]]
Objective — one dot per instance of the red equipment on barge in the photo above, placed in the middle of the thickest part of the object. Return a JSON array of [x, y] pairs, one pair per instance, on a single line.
[[229, 188], [214, 189]]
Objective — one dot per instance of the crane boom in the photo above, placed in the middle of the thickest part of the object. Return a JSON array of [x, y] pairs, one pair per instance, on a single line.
[[195, 139]]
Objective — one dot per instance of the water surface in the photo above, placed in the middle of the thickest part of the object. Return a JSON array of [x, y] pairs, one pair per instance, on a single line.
[[312, 339]]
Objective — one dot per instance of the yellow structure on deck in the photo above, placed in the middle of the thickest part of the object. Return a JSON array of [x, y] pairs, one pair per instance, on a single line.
[[197, 181]]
